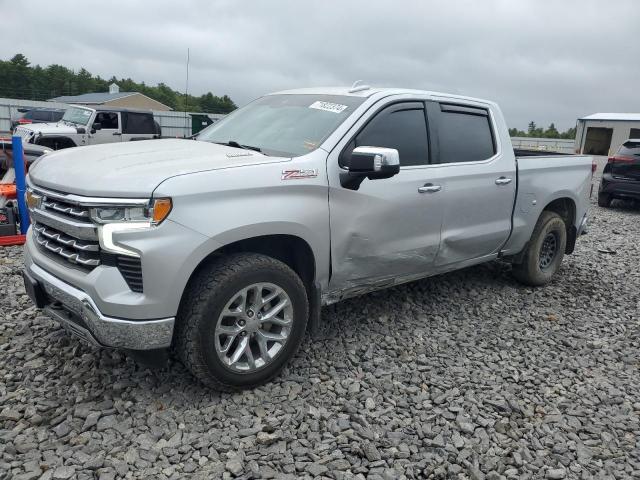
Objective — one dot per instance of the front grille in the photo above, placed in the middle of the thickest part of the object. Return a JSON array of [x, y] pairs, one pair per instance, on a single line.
[[63, 229], [131, 270], [79, 252], [22, 132], [70, 210]]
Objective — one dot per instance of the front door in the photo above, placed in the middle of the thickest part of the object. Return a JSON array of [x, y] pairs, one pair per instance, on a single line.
[[388, 229], [110, 131]]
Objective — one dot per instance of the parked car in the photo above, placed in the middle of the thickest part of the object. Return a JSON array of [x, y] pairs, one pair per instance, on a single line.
[[91, 126], [28, 116], [621, 175], [226, 247]]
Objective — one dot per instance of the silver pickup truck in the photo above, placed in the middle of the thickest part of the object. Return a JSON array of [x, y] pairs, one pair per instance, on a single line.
[[225, 248]]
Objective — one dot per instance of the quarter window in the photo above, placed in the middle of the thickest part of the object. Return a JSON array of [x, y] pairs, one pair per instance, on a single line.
[[464, 134], [401, 127]]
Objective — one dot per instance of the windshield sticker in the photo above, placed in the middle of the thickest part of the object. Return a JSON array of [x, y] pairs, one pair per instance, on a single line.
[[328, 106]]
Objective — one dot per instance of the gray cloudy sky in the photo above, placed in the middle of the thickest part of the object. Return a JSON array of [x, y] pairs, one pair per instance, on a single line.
[[542, 60]]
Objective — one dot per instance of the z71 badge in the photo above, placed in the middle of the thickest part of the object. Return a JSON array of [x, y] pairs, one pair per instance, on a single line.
[[299, 174]]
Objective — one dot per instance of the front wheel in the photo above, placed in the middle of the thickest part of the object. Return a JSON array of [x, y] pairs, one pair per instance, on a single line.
[[545, 251], [242, 318]]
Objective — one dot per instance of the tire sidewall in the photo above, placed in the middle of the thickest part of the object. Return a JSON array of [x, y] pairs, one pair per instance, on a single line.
[[552, 224], [213, 308]]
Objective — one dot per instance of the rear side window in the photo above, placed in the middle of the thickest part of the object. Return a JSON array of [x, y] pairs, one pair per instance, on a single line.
[[464, 134], [140, 123], [401, 126], [40, 115], [630, 148]]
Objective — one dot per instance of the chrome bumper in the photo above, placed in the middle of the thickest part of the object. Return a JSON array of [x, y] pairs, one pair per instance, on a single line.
[[78, 314]]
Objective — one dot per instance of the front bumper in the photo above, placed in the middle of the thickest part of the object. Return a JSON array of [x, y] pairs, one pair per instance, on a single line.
[[77, 313]]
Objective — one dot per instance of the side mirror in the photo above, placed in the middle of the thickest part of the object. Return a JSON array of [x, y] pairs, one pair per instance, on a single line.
[[96, 126], [374, 163]]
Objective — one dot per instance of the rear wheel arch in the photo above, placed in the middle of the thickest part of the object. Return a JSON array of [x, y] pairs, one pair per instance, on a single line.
[[565, 207]]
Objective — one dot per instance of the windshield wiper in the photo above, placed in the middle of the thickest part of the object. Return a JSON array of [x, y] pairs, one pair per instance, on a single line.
[[234, 144]]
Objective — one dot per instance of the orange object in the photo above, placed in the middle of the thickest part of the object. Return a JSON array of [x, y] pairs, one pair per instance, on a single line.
[[8, 190], [161, 208], [12, 240]]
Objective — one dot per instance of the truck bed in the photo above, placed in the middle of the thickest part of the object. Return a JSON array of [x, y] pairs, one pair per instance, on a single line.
[[521, 152]]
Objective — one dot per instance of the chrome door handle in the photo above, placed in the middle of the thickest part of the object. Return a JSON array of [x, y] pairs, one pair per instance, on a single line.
[[503, 181], [429, 188]]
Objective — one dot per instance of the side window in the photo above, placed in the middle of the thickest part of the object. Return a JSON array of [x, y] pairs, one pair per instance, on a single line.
[[108, 120], [141, 123], [464, 134], [400, 126], [40, 115]]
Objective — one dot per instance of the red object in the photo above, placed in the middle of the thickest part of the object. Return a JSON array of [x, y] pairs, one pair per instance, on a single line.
[[8, 190], [12, 240], [621, 159], [24, 121]]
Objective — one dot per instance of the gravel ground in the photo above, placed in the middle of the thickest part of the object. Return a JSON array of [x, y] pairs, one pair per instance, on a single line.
[[465, 375]]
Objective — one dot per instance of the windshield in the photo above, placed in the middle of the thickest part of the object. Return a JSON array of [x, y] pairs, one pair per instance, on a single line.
[[283, 125], [78, 116]]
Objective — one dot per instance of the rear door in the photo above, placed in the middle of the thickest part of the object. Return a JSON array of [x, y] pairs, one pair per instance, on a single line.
[[478, 180], [625, 163], [110, 128], [137, 125]]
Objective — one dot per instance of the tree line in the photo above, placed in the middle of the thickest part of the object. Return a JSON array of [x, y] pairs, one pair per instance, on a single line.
[[537, 132], [20, 79]]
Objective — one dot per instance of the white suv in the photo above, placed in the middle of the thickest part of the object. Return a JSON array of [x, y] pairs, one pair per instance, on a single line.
[[91, 126]]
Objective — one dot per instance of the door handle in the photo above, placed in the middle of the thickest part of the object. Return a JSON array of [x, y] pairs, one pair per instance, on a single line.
[[117, 133], [429, 188], [503, 181]]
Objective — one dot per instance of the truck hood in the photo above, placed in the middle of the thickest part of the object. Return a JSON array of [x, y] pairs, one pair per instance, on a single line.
[[49, 128], [134, 169]]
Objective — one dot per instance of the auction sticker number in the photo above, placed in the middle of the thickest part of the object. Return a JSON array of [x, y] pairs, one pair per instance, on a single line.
[[328, 106]]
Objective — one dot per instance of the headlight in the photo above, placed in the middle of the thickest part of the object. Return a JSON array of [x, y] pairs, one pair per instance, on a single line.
[[116, 219], [154, 213], [33, 199]]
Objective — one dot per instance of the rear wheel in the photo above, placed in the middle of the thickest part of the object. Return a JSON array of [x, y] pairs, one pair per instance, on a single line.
[[241, 320], [545, 251], [604, 200]]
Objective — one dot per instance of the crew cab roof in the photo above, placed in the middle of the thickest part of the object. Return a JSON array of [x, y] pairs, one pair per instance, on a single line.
[[359, 91]]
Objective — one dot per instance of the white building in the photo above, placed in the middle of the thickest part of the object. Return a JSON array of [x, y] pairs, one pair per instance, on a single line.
[[603, 133]]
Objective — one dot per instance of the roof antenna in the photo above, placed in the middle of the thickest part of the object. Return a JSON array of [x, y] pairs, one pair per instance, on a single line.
[[186, 99], [356, 87]]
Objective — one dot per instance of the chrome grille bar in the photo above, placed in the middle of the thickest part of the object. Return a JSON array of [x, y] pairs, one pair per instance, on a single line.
[[66, 240], [71, 256], [66, 209]]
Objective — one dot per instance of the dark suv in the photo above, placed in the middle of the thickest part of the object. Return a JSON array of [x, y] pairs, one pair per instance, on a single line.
[[621, 175], [37, 115]]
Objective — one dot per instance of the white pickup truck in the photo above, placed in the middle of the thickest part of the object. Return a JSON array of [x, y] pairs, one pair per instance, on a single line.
[[225, 248]]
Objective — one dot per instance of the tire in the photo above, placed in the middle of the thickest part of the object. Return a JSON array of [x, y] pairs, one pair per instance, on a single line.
[[214, 290], [538, 267], [604, 200]]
